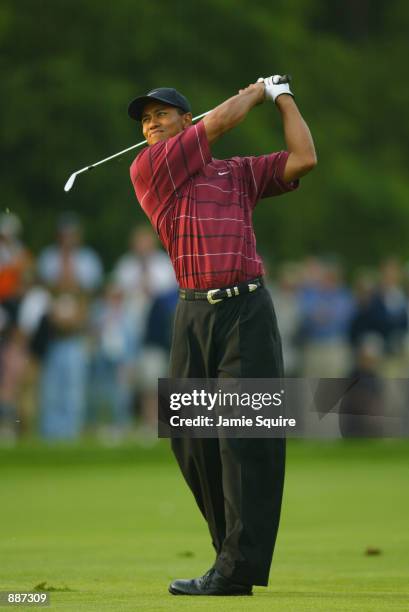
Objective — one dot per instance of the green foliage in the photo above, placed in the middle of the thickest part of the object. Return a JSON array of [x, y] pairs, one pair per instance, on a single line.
[[70, 68]]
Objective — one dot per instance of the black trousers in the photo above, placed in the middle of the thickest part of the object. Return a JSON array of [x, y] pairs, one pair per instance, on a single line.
[[237, 483]]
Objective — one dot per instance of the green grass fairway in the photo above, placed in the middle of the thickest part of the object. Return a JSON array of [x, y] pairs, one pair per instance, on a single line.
[[109, 528]]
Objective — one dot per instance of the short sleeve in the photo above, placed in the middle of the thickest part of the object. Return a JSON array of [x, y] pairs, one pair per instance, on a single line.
[[264, 175], [163, 168]]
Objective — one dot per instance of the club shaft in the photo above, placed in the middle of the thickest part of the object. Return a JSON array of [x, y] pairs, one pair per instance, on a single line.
[[139, 144]]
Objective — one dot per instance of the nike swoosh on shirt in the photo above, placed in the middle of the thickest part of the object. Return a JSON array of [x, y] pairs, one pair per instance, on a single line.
[[221, 173]]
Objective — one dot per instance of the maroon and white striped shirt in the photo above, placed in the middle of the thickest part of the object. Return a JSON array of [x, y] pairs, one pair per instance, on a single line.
[[202, 207]]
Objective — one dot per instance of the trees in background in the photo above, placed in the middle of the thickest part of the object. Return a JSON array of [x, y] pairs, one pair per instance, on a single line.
[[70, 68]]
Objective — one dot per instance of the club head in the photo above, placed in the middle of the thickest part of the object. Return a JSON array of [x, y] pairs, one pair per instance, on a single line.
[[70, 181]]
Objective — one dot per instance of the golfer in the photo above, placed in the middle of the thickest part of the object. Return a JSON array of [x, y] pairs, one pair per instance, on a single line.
[[225, 326]]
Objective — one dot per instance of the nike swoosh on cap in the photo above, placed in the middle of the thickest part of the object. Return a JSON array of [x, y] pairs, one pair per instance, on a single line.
[[221, 173]]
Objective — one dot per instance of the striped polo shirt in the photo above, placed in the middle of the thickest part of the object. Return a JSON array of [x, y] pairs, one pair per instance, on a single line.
[[202, 207]]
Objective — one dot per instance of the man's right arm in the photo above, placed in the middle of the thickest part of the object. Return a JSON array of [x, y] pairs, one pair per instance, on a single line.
[[231, 112]]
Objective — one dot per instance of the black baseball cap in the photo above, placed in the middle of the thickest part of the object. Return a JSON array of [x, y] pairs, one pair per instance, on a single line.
[[162, 94]]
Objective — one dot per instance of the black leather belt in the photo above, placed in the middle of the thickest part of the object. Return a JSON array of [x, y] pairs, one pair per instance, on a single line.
[[217, 295]]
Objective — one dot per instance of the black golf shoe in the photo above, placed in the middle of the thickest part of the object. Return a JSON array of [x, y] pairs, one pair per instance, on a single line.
[[212, 583]]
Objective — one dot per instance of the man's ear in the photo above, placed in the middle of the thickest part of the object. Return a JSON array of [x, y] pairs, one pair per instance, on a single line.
[[187, 120]]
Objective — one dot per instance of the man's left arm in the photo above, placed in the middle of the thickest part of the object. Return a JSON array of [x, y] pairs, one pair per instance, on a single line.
[[300, 146]]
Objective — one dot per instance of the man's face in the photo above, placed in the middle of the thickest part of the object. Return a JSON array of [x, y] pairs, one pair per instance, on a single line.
[[161, 121]]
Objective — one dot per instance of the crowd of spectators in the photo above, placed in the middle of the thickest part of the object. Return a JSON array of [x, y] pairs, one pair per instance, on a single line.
[[81, 349], [328, 326]]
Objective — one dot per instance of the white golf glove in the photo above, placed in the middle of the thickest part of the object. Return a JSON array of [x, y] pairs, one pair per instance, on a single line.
[[273, 89]]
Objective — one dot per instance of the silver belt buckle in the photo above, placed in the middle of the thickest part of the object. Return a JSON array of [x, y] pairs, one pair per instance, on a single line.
[[210, 299]]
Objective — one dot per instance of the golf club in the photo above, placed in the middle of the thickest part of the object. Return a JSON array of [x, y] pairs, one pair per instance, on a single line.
[[286, 78]]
